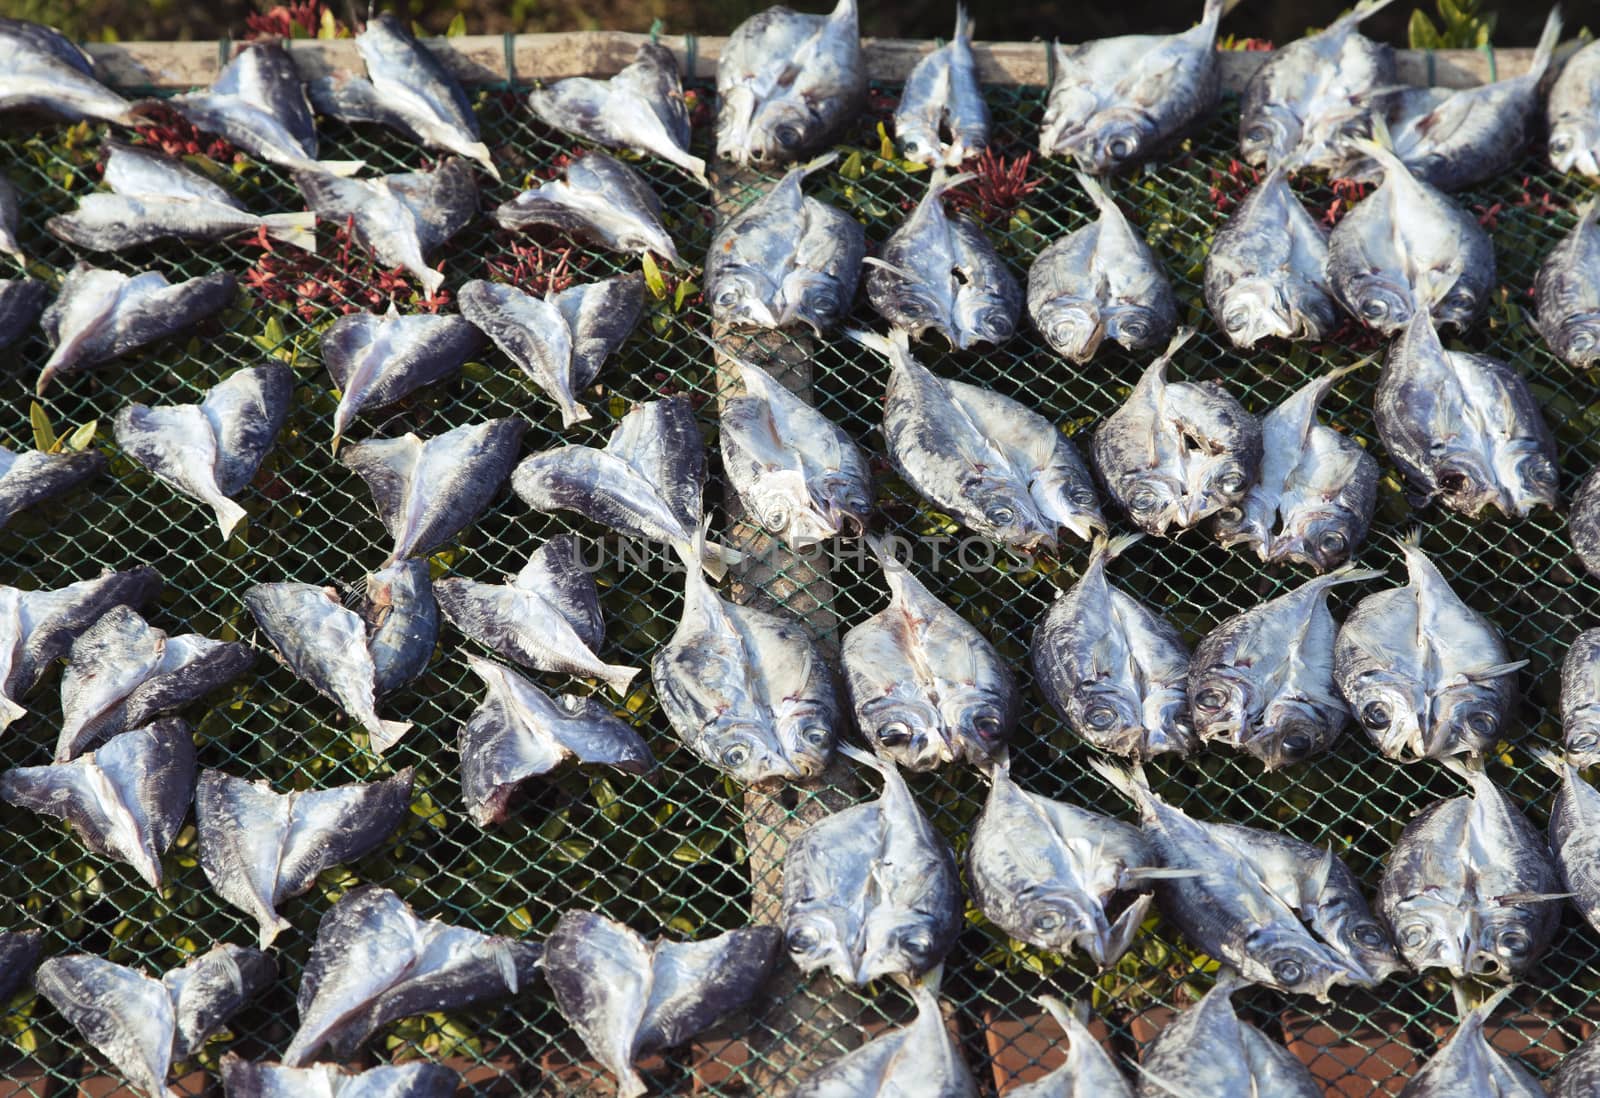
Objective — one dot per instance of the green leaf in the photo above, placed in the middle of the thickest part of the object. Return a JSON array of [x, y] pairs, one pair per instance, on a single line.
[[327, 28], [44, 435], [685, 288], [457, 27], [652, 277], [80, 439], [885, 145], [1421, 33], [852, 167]]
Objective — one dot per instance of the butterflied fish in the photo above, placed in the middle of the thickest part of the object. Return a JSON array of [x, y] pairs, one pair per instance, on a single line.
[[647, 482], [259, 104], [628, 996], [1573, 111], [407, 89], [941, 118], [1089, 1071], [374, 961], [559, 340], [325, 645], [1314, 500], [920, 1059], [101, 314], [1469, 1064], [46, 71], [982, 458], [1578, 1074], [1059, 877], [600, 199], [1425, 674], [942, 272], [21, 300], [1262, 681], [926, 686], [144, 1025], [1464, 428], [1266, 271], [788, 83], [20, 951], [1580, 699], [39, 627], [1207, 1049], [34, 476], [796, 471], [1567, 289], [1113, 668], [1100, 282], [427, 491], [641, 107], [418, 1079], [376, 361], [154, 197], [1177, 452], [872, 890], [786, 258], [124, 673], [1575, 834], [10, 221], [402, 621], [259, 848], [126, 799], [212, 450], [1470, 886], [400, 218], [1116, 101]]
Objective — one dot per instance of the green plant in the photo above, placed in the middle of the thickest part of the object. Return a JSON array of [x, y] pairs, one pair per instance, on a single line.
[[1463, 24]]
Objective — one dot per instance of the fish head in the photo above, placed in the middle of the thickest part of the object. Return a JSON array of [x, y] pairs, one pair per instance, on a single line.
[[749, 752], [1322, 538], [778, 130], [906, 730], [1108, 715], [1073, 102], [814, 297], [819, 935], [1113, 140], [980, 715], [1154, 500], [899, 939], [1253, 309], [1073, 326], [1465, 481], [1457, 309], [781, 501], [980, 317], [806, 736], [1222, 701], [1388, 705], [743, 296], [1509, 938], [1268, 135], [1217, 482], [1577, 342], [1362, 940], [844, 500], [1381, 303], [1167, 729], [1581, 737], [1291, 729], [1134, 326], [1466, 715], [1285, 956], [1004, 510], [920, 142], [1575, 144], [1063, 920], [1432, 932], [1069, 501], [1528, 476]]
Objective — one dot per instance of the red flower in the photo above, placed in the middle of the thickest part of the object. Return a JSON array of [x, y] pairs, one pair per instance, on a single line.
[[297, 19], [999, 188], [174, 135], [345, 283]]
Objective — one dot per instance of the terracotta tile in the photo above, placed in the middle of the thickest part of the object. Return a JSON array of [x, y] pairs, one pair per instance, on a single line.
[[1028, 1048], [1149, 1022], [1373, 1060], [1531, 1037]]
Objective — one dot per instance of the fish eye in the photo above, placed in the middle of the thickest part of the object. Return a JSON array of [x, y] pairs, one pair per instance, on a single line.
[[1539, 470], [1082, 497], [1047, 921], [815, 735], [1482, 724], [1513, 941], [1210, 698], [1369, 935], [1376, 716], [823, 300], [1560, 142], [1374, 308], [788, 135], [917, 942], [1134, 328], [730, 294], [1460, 298], [804, 939], [987, 726], [1583, 741], [1582, 341], [1236, 319], [1144, 499], [894, 734], [1100, 717], [1296, 745], [1453, 481], [736, 756], [996, 325], [1232, 481], [1257, 133], [1000, 515], [1063, 331], [1288, 971], [1414, 936], [1122, 146], [1333, 543]]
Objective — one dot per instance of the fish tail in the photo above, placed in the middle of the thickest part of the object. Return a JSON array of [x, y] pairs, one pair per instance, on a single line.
[[385, 734], [1553, 761], [816, 164], [1411, 539], [964, 24], [1179, 338], [618, 677], [341, 167], [1211, 16], [1361, 363], [573, 412], [940, 183], [1349, 572], [1128, 780], [271, 930], [1360, 13], [1380, 147], [229, 516], [1097, 194], [845, 11], [296, 229], [1547, 45], [865, 758], [1106, 549], [898, 341]]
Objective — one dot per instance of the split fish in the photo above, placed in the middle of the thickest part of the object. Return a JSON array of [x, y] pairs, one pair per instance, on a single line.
[[598, 198], [46, 71], [34, 476], [941, 118]]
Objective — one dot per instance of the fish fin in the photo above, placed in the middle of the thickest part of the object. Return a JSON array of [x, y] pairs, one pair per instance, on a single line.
[[1179, 338], [1533, 897], [1546, 48], [341, 168], [1211, 15], [1488, 674], [1554, 761], [619, 677], [874, 261], [1109, 549], [965, 24], [1161, 873], [296, 229], [1178, 1090], [387, 734], [1097, 193], [229, 516]]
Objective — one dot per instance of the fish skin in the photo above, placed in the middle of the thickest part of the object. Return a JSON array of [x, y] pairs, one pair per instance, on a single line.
[[1571, 110], [1116, 101], [982, 458], [1578, 1074], [943, 273], [377, 361], [1469, 1064], [123, 673], [628, 996], [402, 619], [99, 314], [600, 199], [1207, 1049], [125, 800], [259, 848], [640, 108], [212, 450], [941, 96], [1088, 1072], [1314, 500], [1451, 884], [920, 1059], [1567, 289], [20, 951], [1574, 834], [210, 989], [560, 340], [926, 686], [788, 83], [46, 71], [1583, 522], [418, 1079], [10, 220], [325, 645], [427, 491], [21, 301], [375, 961], [34, 476], [1580, 699], [1100, 281]]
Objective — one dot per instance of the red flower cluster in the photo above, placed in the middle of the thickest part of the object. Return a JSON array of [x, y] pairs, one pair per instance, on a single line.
[[285, 20], [1347, 192], [1000, 186], [174, 135], [345, 282], [1227, 187], [1253, 45], [528, 267], [1540, 201]]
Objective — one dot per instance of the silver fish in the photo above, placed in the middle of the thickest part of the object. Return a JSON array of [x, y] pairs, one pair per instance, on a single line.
[[100, 314], [428, 490], [1116, 101], [943, 273], [786, 257], [34, 476], [418, 1079], [124, 672], [796, 471], [126, 799], [325, 645], [407, 89], [520, 732], [942, 118], [926, 686], [259, 848], [46, 71], [1113, 668], [788, 83], [872, 890], [1583, 522], [375, 961], [1580, 699], [376, 361], [1208, 1050], [400, 218], [642, 108], [211, 451], [546, 617], [1567, 289], [1266, 271], [1463, 428], [1177, 452], [1059, 877], [1100, 282], [628, 996], [1470, 886], [144, 1025], [982, 458], [1573, 111], [402, 620], [600, 199], [1314, 501], [1089, 1072], [154, 197], [10, 221], [559, 340], [1574, 834], [920, 1059], [1469, 1064], [1425, 674], [1578, 1074], [21, 300], [20, 951]]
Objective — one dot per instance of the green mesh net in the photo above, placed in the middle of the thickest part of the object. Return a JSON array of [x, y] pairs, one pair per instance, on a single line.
[[673, 850]]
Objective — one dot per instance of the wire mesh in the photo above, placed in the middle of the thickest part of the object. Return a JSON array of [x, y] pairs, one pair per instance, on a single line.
[[669, 851]]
